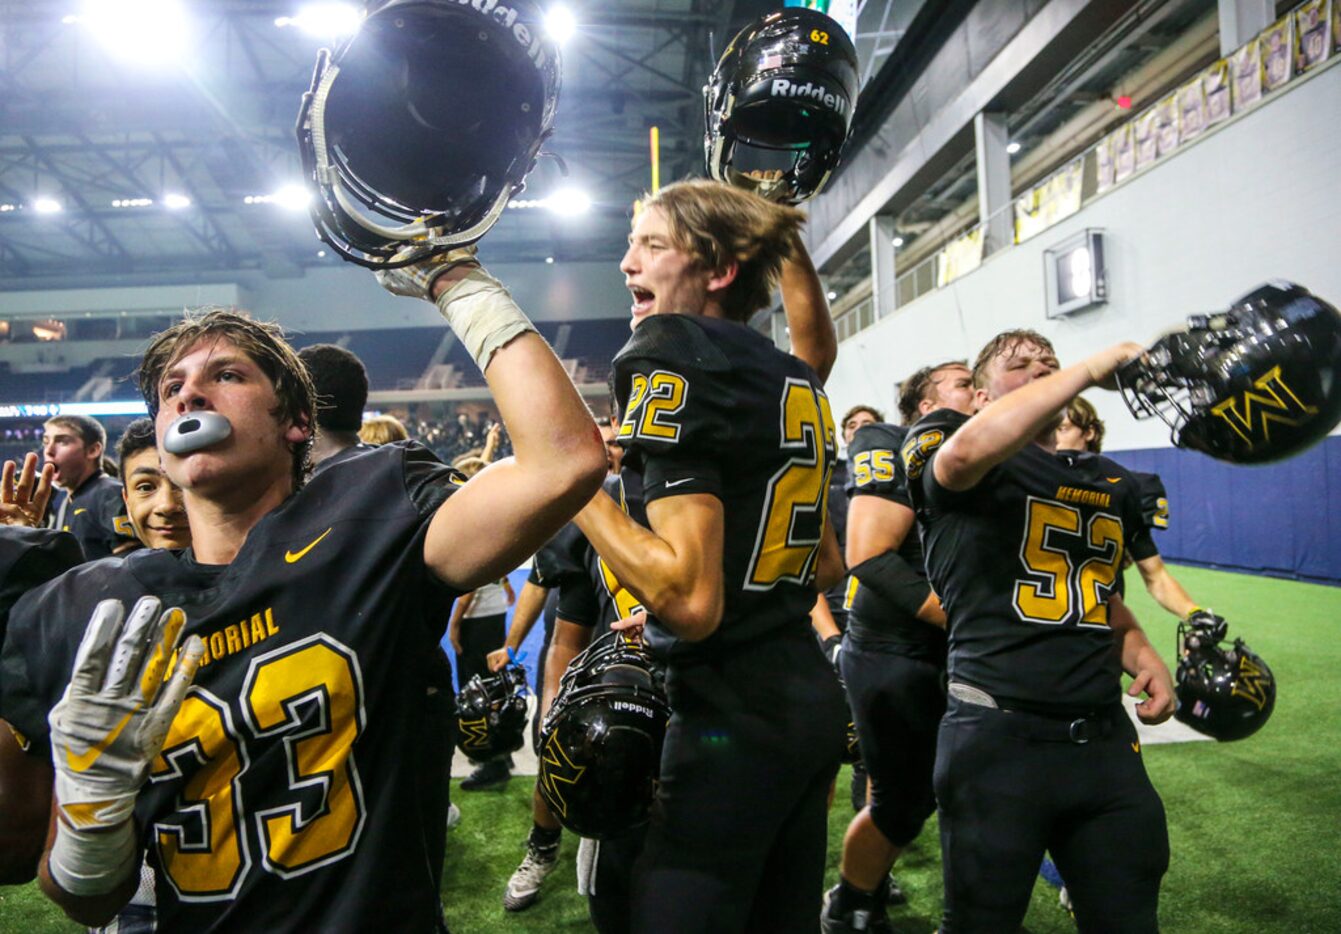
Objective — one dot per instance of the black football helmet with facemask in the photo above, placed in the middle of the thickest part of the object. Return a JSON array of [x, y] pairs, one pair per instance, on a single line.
[[600, 747], [779, 105], [419, 129], [491, 714], [1258, 382], [1224, 692]]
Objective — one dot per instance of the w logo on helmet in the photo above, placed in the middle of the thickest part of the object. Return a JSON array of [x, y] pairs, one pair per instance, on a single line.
[[1250, 414], [474, 733], [1252, 682], [556, 766]]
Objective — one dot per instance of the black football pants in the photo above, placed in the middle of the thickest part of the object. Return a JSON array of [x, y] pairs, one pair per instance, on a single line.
[[737, 838], [1011, 785], [897, 703]]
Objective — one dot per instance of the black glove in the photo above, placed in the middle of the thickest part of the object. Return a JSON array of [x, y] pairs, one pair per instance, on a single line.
[[1206, 624], [833, 647]]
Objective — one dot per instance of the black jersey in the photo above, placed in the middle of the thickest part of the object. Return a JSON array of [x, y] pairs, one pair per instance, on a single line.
[[877, 470], [1154, 500], [595, 597], [1024, 564], [95, 514], [287, 792], [711, 406], [28, 559]]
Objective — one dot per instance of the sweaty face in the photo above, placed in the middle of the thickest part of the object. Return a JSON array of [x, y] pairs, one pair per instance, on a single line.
[[75, 461], [951, 387], [1018, 366], [663, 279], [154, 502], [215, 375], [857, 420]]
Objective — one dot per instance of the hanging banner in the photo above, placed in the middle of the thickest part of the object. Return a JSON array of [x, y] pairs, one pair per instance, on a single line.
[[1312, 34], [1147, 147], [1215, 85], [843, 12], [1277, 53], [1192, 116], [1049, 202], [959, 257], [1124, 152], [1103, 161], [1246, 64], [1166, 124]]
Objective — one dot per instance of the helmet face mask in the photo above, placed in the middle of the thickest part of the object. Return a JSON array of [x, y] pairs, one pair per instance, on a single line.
[[418, 131], [779, 105], [1256, 383], [600, 747], [1226, 693], [491, 714]]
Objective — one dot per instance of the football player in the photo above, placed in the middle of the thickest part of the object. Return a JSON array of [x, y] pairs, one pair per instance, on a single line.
[[1024, 546], [341, 383], [153, 502], [735, 442], [91, 509], [893, 655], [277, 787]]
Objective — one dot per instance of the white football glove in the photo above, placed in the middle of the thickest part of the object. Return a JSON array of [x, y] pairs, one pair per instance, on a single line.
[[416, 281], [107, 730]]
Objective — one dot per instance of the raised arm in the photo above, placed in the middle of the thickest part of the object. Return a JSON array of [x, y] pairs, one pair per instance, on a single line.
[[558, 460], [1016, 419], [809, 322]]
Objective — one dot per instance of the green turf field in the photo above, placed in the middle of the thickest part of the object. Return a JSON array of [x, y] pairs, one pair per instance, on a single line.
[[1254, 826]]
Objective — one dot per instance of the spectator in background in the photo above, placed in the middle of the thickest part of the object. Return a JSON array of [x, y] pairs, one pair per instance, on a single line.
[[92, 508], [383, 429]]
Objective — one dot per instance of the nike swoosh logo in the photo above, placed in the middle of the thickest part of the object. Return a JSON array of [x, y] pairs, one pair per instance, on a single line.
[[671, 483], [1113, 479], [1135, 747], [84, 761], [294, 556]]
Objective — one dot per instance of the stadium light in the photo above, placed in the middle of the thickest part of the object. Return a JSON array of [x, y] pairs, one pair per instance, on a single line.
[[175, 202], [897, 242], [47, 206], [132, 202], [146, 32], [560, 23], [290, 197], [325, 20], [568, 201], [1012, 148]]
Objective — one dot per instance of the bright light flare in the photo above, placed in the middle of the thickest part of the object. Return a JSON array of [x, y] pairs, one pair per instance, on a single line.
[[1012, 148], [144, 32], [569, 201], [560, 23], [175, 202], [292, 197], [47, 206], [325, 20]]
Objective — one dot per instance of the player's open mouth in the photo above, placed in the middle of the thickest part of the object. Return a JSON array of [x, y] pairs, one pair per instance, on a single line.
[[642, 301]]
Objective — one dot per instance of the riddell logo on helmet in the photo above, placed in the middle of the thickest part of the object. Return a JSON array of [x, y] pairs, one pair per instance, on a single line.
[[506, 17], [781, 87]]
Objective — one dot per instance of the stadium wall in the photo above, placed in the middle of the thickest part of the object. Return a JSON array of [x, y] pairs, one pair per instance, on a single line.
[[1258, 199]]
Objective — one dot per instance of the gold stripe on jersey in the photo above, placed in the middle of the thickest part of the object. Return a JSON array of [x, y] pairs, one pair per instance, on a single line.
[[1072, 494], [233, 639]]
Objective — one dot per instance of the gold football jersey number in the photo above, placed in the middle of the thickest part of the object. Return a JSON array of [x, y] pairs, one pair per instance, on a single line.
[[1069, 568], [203, 846]]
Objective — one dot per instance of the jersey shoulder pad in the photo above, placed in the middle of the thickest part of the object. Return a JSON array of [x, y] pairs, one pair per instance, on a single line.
[[873, 458], [673, 340], [926, 436]]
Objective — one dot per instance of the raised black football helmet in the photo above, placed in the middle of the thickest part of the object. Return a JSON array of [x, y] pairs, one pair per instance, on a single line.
[[1258, 382], [779, 105], [600, 747], [1227, 693], [491, 714], [423, 125]]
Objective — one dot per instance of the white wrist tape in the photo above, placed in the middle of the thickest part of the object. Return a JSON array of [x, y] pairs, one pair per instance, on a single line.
[[483, 314], [85, 862]]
